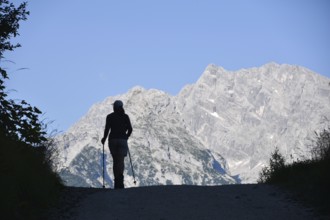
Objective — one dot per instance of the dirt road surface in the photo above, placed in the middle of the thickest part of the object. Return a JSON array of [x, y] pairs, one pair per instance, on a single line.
[[248, 201]]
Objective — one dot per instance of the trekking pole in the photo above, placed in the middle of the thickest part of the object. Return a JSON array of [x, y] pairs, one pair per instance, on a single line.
[[103, 167], [130, 159]]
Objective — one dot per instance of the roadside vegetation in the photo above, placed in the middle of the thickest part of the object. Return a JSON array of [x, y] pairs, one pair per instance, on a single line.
[[308, 179], [29, 185]]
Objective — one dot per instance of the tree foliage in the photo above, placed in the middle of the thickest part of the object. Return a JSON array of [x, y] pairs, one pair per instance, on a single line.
[[276, 163], [28, 184], [321, 148], [10, 16], [307, 179], [18, 119], [278, 171]]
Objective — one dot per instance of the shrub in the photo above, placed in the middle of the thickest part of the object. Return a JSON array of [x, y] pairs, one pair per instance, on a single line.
[[308, 180], [321, 147], [276, 165]]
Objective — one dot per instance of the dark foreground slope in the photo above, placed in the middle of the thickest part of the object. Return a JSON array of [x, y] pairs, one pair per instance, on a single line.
[[253, 201], [28, 186]]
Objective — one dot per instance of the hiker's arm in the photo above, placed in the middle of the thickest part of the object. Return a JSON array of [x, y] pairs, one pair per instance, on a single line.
[[129, 128], [106, 131]]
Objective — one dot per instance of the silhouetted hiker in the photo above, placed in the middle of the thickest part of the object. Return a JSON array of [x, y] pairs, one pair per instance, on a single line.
[[119, 125]]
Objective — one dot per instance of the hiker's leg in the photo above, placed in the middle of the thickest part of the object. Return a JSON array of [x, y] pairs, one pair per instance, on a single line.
[[113, 146], [118, 170], [118, 149]]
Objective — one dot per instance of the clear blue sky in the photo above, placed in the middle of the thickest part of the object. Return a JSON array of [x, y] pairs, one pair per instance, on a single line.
[[80, 52]]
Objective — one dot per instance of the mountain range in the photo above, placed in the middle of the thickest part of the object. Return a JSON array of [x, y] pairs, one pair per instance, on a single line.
[[220, 130]]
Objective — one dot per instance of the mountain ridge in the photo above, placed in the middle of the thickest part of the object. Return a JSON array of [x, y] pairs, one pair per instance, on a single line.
[[249, 91], [238, 116]]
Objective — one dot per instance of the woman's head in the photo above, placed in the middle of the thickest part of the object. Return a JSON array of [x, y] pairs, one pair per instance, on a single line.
[[118, 107]]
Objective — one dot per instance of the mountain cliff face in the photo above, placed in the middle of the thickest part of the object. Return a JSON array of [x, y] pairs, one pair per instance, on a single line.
[[244, 115], [219, 130]]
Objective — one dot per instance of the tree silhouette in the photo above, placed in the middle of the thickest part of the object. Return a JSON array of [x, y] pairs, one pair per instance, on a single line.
[[276, 163], [321, 148], [18, 120]]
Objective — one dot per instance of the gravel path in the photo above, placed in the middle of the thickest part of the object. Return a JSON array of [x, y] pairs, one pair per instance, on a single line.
[[250, 201]]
